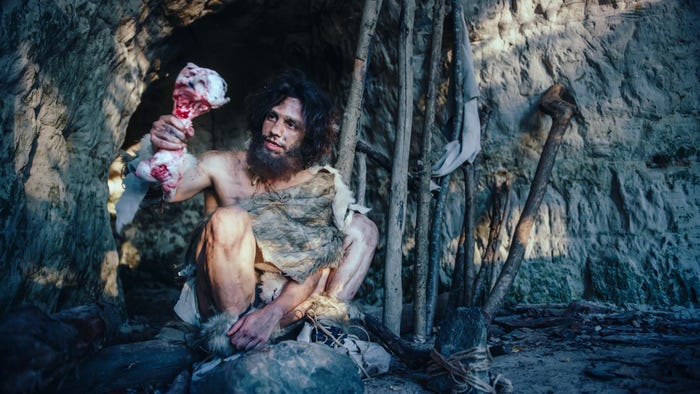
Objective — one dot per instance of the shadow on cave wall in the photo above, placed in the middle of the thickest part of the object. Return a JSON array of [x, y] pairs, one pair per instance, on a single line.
[[245, 43], [55, 232]]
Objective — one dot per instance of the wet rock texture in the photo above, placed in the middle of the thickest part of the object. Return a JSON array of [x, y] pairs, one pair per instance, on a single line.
[[619, 221], [596, 348], [72, 74], [287, 367]]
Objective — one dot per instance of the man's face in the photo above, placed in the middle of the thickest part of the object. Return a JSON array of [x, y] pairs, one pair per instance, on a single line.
[[283, 128], [275, 153]]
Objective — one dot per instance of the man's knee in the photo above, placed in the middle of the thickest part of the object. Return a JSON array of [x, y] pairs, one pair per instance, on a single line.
[[228, 224], [363, 230]]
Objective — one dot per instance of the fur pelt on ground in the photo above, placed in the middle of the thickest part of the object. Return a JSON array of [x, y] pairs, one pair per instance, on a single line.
[[212, 336]]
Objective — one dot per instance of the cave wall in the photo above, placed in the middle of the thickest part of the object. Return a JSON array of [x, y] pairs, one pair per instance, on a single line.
[[620, 219], [245, 43], [71, 74]]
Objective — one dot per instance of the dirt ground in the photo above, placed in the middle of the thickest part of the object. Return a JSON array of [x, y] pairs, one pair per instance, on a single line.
[[578, 348], [585, 348]]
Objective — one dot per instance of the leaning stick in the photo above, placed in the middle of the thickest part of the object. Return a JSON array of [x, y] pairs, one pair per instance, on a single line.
[[375, 155], [422, 241], [415, 356], [361, 177], [561, 112], [499, 213], [469, 170], [393, 290], [435, 244], [348, 133]]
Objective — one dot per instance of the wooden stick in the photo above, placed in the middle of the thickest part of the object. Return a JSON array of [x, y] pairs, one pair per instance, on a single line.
[[457, 290], [500, 198], [361, 177], [435, 241], [420, 324], [393, 291], [120, 367], [384, 162], [373, 154], [413, 355], [348, 133], [469, 170], [561, 112]]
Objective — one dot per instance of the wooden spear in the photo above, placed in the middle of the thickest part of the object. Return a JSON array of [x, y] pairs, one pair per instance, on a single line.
[[353, 109], [420, 325], [435, 244], [500, 206], [393, 291], [561, 112]]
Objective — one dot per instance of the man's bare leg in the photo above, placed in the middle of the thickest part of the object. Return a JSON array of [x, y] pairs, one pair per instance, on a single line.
[[225, 263], [361, 236]]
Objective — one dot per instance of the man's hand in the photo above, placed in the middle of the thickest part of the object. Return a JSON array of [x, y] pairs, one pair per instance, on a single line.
[[170, 133], [254, 329]]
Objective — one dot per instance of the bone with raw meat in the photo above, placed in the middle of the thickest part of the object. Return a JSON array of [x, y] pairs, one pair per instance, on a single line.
[[197, 91]]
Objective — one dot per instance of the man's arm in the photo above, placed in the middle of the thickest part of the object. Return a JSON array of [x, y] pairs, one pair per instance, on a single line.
[[196, 178], [255, 328], [169, 133]]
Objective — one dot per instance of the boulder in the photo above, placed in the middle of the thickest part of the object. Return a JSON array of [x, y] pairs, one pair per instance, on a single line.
[[286, 367]]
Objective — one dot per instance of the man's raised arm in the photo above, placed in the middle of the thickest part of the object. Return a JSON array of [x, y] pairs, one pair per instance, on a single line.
[[170, 133]]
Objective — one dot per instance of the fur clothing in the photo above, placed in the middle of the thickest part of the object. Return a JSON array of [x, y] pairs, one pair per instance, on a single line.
[[294, 228]]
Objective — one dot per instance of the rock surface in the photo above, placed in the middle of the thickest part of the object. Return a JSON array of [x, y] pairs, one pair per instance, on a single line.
[[287, 367], [584, 347], [463, 330], [72, 74], [619, 222]]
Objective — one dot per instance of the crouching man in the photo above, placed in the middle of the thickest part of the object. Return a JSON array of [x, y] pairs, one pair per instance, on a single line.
[[277, 214]]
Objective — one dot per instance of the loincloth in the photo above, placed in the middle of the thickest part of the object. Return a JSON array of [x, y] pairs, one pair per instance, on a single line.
[[297, 230], [294, 228]]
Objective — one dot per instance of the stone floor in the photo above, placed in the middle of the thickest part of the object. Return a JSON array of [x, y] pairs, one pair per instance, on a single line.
[[577, 348]]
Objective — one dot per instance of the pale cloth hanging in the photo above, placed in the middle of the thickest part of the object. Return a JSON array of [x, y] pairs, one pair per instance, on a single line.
[[469, 145]]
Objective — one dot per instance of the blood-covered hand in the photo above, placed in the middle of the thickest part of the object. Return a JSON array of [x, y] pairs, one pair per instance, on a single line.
[[170, 133]]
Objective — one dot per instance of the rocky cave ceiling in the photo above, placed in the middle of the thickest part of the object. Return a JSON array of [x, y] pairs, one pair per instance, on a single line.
[[246, 42]]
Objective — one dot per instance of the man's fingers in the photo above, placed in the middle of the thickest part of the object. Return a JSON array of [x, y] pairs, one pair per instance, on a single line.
[[238, 342], [168, 132], [169, 145], [172, 134], [252, 345], [243, 342], [235, 327]]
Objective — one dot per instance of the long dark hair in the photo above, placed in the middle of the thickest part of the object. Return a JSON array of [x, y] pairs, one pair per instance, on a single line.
[[318, 112]]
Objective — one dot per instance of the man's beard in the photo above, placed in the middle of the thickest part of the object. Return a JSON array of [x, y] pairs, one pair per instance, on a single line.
[[268, 167]]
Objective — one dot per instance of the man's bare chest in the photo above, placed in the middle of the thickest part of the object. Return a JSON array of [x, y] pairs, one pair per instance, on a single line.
[[232, 191]]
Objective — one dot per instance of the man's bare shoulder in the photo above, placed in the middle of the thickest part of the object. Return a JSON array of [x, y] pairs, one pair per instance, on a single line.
[[223, 164], [219, 159]]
